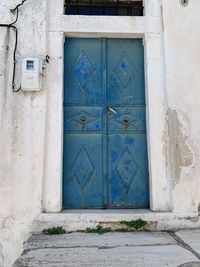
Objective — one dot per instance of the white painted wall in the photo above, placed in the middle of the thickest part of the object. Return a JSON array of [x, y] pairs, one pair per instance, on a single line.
[[182, 46], [25, 152], [22, 128]]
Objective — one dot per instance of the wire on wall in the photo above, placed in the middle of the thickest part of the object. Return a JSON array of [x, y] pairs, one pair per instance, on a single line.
[[12, 26]]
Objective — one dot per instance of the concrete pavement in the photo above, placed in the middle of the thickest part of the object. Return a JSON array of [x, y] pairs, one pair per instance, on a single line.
[[137, 249]]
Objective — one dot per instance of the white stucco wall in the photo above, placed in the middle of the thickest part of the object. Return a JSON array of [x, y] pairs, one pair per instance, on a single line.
[[25, 117], [22, 127], [182, 57]]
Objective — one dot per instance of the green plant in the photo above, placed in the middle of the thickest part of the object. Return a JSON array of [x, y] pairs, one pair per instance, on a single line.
[[136, 224], [54, 231], [98, 230]]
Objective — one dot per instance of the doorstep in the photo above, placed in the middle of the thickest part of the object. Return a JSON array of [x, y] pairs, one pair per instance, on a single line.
[[80, 220]]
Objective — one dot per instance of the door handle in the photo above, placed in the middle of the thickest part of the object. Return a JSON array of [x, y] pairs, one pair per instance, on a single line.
[[112, 110]]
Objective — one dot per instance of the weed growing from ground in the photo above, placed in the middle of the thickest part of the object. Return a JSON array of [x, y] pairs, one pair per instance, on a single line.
[[54, 231]]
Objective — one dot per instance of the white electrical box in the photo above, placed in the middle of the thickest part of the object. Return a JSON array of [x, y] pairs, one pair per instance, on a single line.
[[31, 79]]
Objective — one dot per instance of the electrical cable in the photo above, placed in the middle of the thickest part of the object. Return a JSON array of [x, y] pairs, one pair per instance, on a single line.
[[12, 26]]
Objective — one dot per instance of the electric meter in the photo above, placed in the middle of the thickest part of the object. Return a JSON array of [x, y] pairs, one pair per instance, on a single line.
[[31, 79]]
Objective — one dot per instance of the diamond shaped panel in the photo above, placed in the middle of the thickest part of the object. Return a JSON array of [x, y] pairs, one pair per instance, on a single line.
[[82, 168], [82, 118], [125, 70], [84, 70], [127, 119], [126, 168]]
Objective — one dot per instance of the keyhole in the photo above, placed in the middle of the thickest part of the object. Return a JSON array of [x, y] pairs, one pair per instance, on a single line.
[[83, 120], [184, 2], [125, 120]]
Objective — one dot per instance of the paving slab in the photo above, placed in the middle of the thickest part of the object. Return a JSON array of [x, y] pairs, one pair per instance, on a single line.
[[141, 256], [191, 237], [107, 239], [107, 250]]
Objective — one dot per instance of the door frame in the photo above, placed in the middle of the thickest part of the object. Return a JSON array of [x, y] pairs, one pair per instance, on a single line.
[[149, 29]]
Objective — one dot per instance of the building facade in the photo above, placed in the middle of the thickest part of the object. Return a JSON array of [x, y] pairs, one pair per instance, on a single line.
[[51, 152]]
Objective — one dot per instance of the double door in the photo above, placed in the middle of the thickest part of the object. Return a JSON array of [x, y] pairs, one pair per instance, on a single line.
[[105, 161]]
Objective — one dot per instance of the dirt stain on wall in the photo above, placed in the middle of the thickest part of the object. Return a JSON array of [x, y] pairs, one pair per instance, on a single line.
[[181, 154]]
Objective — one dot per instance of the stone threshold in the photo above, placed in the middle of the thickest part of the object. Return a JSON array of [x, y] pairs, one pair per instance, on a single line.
[[80, 220]]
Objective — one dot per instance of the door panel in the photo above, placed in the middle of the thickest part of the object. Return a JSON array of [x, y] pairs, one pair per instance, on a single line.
[[127, 171], [83, 106], [127, 150], [125, 72], [83, 171], [83, 71], [126, 119], [83, 119]]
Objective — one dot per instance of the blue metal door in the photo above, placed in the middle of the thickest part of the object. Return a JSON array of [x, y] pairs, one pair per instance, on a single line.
[[105, 151]]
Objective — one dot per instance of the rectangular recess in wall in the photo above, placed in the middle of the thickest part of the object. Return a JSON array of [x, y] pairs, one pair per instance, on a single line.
[[104, 7]]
